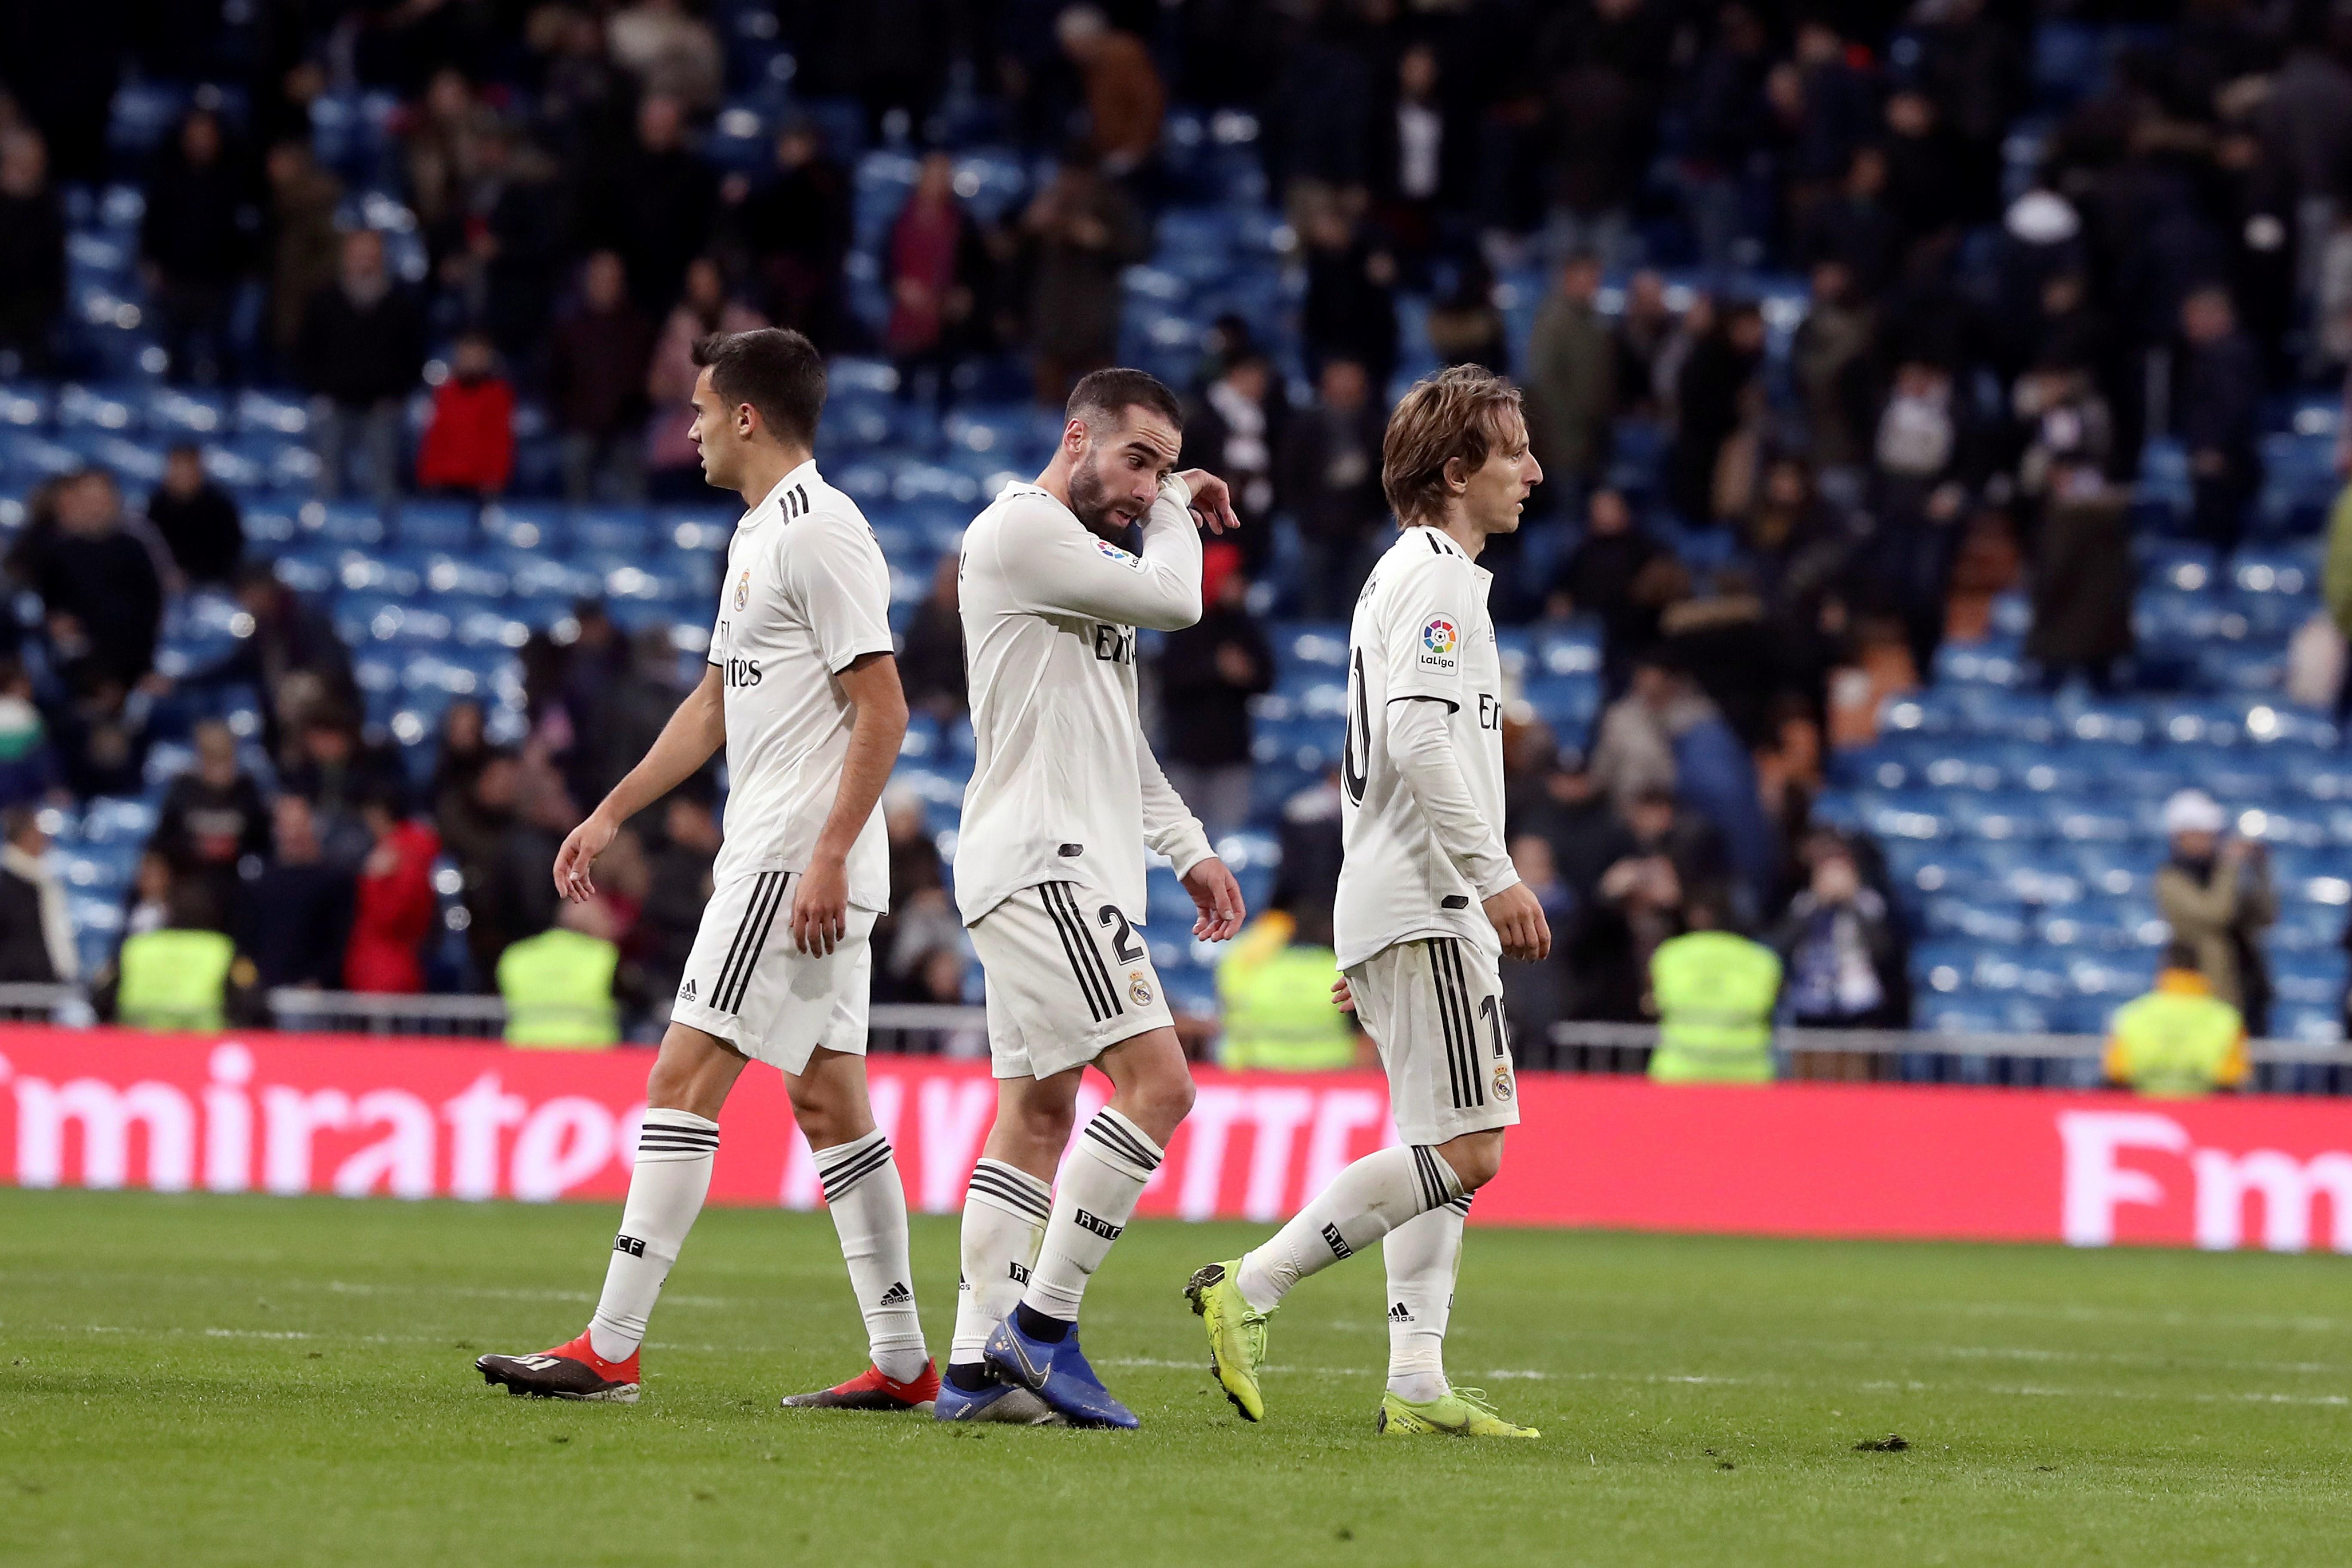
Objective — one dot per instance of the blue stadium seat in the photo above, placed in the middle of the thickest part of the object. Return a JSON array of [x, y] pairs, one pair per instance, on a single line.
[[436, 526], [526, 525]]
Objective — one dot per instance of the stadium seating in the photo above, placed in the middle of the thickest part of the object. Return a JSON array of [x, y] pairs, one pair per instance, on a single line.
[[2019, 826]]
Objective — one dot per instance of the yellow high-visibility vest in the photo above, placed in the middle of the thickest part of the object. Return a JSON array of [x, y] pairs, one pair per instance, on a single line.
[[2178, 1043], [174, 979], [558, 987], [1278, 1011], [1715, 994]]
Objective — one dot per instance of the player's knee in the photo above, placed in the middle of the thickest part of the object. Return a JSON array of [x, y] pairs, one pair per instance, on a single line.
[[1046, 1124], [1475, 1160], [1159, 1104], [824, 1113]]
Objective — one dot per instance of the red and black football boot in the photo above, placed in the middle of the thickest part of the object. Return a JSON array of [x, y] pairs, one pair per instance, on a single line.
[[571, 1371], [869, 1390]]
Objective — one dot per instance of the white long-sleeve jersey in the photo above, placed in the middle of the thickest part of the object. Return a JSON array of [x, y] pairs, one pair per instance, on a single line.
[[1421, 807], [1064, 785]]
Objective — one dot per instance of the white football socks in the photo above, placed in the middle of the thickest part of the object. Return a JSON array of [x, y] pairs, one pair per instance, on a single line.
[[1364, 1203], [1005, 1214], [1424, 1256], [869, 1211], [667, 1186], [1104, 1176]]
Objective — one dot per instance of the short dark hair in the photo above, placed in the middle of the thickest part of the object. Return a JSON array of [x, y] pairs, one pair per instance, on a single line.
[[1114, 392], [773, 369]]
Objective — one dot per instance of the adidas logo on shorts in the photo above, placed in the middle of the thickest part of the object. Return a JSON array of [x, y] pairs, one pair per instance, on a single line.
[[685, 991], [897, 1296]]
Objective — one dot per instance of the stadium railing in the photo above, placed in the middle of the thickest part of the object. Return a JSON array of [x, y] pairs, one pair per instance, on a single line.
[[2022, 1061]]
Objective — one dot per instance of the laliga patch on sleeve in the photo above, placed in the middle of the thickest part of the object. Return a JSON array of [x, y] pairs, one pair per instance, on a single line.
[[1132, 563], [1439, 638]]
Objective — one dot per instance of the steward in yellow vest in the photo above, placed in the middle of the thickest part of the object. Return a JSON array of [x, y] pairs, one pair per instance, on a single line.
[[1274, 986], [184, 975], [1715, 992], [558, 985], [2180, 1040]]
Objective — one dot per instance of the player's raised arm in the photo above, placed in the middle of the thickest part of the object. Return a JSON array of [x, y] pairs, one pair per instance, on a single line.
[[1060, 570], [696, 731]]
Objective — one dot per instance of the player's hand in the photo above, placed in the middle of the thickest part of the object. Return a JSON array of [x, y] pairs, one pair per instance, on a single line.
[[821, 907], [1212, 502], [580, 848], [1341, 998], [1218, 897], [1519, 920]]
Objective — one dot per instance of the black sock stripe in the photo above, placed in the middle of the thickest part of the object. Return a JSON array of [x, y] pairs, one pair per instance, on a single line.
[[660, 1135], [858, 1149], [750, 961], [997, 1182], [1445, 1021], [680, 1130], [1111, 1125], [1432, 1179], [1118, 1140], [841, 1180], [1002, 1170], [875, 1157], [1087, 946], [1023, 1198], [1461, 1205], [1468, 1021], [1074, 941], [742, 931]]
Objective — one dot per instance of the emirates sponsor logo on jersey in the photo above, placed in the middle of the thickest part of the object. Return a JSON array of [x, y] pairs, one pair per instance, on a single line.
[[1439, 638], [743, 589]]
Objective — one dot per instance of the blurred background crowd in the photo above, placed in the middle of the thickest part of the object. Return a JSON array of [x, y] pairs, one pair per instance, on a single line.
[[1938, 406]]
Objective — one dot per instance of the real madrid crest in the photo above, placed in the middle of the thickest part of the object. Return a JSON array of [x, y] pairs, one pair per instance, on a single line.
[[1502, 1080], [743, 589], [1139, 989]]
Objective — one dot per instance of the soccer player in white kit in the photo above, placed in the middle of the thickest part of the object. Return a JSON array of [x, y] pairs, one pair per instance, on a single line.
[[1049, 875], [1427, 902], [801, 688]]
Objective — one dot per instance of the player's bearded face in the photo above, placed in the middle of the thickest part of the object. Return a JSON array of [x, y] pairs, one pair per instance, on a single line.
[[1094, 497]]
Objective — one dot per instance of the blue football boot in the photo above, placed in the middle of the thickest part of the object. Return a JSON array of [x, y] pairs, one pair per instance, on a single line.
[[1002, 1402], [1059, 1374]]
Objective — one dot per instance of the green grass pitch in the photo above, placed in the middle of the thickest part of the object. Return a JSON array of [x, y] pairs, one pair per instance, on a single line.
[[195, 1380]]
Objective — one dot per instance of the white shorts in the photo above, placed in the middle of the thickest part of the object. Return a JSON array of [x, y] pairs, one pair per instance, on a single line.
[[1435, 1008], [1069, 978], [746, 985]]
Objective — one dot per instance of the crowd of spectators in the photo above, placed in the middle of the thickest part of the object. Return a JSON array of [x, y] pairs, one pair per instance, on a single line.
[[1988, 344]]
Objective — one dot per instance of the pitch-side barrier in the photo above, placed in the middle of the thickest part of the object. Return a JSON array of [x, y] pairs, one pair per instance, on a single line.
[[368, 1115]]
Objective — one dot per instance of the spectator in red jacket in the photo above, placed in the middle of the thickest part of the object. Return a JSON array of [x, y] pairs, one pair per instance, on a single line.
[[469, 447], [392, 913]]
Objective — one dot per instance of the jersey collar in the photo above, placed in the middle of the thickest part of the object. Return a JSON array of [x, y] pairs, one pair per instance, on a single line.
[[772, 503], [1439, 541]]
